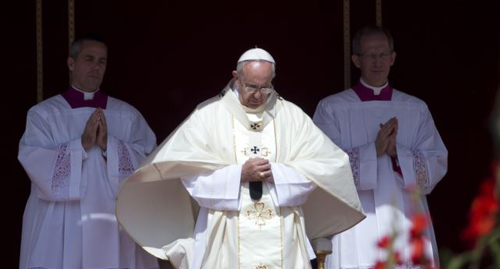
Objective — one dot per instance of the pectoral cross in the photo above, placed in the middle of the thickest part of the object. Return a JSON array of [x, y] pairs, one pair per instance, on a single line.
[[255, 126]]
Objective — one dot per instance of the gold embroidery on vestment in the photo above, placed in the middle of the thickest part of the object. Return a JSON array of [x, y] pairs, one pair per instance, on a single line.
[[265, 152], [260, 214]]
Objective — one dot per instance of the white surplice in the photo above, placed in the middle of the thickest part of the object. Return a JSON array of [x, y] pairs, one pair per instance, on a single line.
[[69, 221], [207, 151], [386, 196]]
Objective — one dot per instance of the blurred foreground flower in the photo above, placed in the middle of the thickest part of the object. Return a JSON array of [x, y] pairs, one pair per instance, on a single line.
[[420, 222], [483, 230], [482, 233], [482, 216], [393, 257]]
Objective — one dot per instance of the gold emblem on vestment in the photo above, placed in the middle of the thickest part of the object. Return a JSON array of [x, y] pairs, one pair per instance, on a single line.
[[260, 214]]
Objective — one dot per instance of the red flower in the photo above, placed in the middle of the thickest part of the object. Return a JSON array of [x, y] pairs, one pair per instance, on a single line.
[[397, 258], [379, 265], [417, 253], [420, 221], [483, 212], [384, 242]]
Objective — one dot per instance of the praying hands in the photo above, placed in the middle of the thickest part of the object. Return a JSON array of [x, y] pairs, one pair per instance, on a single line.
[[386, 138], [95, 131]]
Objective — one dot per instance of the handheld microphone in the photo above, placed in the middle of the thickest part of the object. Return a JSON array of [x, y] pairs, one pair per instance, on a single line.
[[255, 189]]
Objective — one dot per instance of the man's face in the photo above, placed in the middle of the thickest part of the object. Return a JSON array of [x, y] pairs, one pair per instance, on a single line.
[[88, 68], [257, 75], [375, 60]]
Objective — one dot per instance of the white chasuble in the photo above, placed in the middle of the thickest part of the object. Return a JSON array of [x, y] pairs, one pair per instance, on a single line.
[[257, 235], [386, 194], [158, 213]]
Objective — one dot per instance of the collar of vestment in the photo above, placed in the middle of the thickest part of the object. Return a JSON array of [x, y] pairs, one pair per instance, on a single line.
[[269, 110], [76, 99], [366, 94]]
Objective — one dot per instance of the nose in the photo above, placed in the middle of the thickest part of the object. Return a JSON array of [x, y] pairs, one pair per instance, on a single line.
[[97, 65], [257, 94], [377, 61]]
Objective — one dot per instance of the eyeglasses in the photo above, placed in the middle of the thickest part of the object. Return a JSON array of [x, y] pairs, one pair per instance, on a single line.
[[382, 56], [252, 90]]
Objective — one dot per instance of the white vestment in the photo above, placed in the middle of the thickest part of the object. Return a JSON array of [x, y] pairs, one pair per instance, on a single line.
[[265, 226], [207, 151], [385, 195], [69, 221]]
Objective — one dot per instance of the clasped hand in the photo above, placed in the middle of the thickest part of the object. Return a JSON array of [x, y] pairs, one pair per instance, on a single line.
[[256, 169], [386, 138], [96, 131]]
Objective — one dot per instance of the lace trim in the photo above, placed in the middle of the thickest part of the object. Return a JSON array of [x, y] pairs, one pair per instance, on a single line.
[[420, 169], [125, 166], [354, 160], [62, 172]]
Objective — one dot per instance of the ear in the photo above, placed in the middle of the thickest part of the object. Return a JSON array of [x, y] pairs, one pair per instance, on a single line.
[[355, 60], [393, 57], [235, 74], [71, 63]]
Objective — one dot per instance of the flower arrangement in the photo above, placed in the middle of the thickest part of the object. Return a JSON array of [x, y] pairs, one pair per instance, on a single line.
[[393, 257], [482, 235]]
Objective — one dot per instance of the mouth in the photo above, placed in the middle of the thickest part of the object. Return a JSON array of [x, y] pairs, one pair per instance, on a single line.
[[378, 72], [257, 103], [254, 104]]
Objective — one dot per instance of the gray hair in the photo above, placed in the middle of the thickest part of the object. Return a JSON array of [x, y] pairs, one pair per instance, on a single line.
[[241, 66], [370, 30], [77, 44]]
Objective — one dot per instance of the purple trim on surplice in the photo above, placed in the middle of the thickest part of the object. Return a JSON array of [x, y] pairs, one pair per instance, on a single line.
[[366, 94], [75, 99]]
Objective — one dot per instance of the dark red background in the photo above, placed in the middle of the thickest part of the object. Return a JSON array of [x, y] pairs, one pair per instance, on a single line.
[[167, 56]]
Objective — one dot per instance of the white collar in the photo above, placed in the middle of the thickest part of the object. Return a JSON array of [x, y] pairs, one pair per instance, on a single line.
[[86, 95], [376, 90]]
